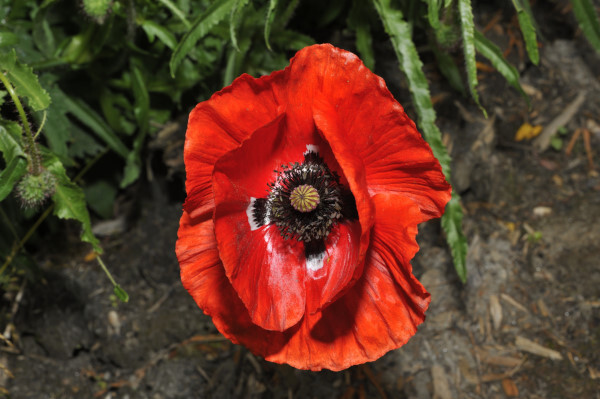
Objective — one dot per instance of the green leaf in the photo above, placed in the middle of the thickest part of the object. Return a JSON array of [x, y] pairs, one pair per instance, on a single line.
[[269, 21], [528, 30], [141, 110], [141, 106], [201, 26], [490, 51], [14, 157], [235, 60], [587, 17], [115, 108], [25, 81], [69, 200], [86, 115], [556, 143], [449, 69], [121, 293], [452, 225], [290, 40], [467, 29], [176, 11], [359, 22], [100, 197], [234, 21], [406, 52], [8, 39], [433, 13], [153, 29]]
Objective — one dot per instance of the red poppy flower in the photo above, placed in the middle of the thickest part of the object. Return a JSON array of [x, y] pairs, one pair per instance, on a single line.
[[304, 191]]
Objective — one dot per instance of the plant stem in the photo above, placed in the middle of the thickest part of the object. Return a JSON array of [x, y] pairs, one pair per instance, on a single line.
[[25, 238], [103, 266], [31, 149], [44, 215]]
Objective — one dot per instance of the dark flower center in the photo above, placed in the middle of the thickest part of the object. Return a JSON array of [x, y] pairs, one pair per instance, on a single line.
[[305, 201]]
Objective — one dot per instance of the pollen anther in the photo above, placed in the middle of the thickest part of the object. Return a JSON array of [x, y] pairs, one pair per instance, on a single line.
[[305, 198]]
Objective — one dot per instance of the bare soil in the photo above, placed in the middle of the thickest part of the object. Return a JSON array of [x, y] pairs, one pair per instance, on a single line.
[[526, 324]]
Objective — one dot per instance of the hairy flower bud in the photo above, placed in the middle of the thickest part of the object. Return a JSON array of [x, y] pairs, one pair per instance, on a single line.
[[97, 9], [34, 189]]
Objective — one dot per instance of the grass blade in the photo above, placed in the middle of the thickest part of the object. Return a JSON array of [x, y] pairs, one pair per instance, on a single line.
[[490, 51], [201, 26], [234, 21], [176, 11], [359, 22], [449, 69], [452, 225], [411, 65], [91, 119], [528, 31], [269, 21], [587, 17], [467, 30]]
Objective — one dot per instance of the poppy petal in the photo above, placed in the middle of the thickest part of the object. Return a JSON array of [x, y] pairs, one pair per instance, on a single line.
[[203, 276], [374, 125], [266, 271], [328, 125], [219, 125], [271, 275], [378, 314]]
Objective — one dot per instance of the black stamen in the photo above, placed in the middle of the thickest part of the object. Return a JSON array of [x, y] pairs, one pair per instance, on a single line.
[[312, 226]]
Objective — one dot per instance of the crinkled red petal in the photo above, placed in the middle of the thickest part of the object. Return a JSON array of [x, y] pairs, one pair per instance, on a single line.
[[379, 313], [374, 125], [219, 125], [271, 275]]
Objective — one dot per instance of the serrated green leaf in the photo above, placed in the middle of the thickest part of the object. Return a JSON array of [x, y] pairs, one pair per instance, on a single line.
[[69, 200], [141, 110], [587, 17], [86, 115], [8, 39], [14, 157], [528, 31], [433, 13], [234, 21], [153, 29], [452, 225], [467, 29], [406, 52], [176, 11], [359, 22], [201, 26], [269, 21], [121, 293], [25, 81], [490, 51]]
